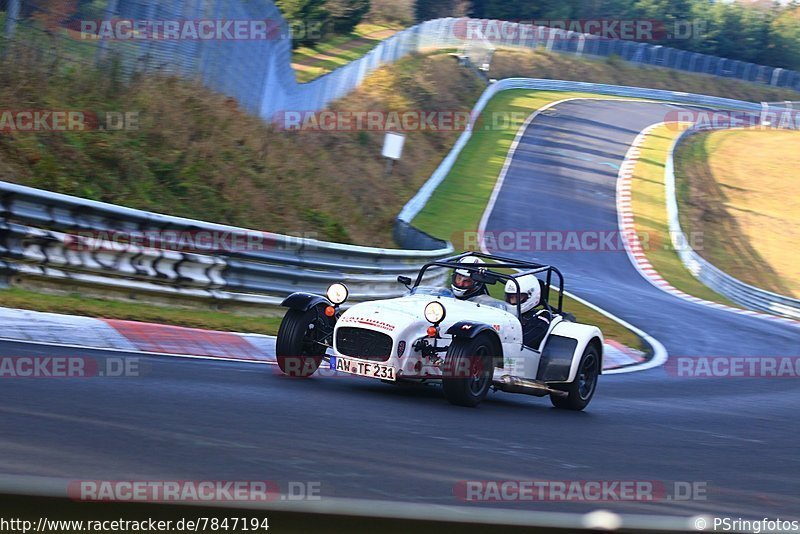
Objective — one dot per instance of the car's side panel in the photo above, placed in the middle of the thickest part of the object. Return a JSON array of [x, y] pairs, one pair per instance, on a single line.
[[564, 348], [520, 361]]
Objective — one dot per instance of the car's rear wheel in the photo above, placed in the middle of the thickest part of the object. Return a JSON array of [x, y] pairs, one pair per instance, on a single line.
[[581, 390], [469, 369], [298, 347]]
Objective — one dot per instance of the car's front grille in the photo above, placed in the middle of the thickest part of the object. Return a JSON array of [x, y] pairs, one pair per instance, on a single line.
[[363, 343]]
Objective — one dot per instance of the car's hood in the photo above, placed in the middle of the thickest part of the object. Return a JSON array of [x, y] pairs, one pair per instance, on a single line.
[[393, 316]]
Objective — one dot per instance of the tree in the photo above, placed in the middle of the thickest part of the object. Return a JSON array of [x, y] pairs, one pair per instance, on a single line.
[[523, 10], [756, 34], [392, 11], [758, 31], [302, 15], [346, 14], [785, 35], [434, 9]]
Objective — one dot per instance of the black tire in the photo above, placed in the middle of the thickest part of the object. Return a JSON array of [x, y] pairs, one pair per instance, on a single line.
[[469, 369], [296, 348], [581, 390]]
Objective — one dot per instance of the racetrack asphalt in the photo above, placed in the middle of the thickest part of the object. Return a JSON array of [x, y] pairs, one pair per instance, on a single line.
[[208, 420]]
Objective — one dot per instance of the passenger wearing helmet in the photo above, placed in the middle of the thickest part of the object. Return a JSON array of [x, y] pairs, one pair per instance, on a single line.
[[535, 324], [463, 285]]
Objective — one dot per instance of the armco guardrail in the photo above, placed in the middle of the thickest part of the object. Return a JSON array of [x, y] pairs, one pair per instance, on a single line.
[[415, 205], [60, 238], [737, 291]]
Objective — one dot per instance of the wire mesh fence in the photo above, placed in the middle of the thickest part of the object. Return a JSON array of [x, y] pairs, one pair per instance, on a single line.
[[201, 40]]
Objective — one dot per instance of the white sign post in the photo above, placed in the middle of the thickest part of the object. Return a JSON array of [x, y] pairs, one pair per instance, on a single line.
[[392, 148]]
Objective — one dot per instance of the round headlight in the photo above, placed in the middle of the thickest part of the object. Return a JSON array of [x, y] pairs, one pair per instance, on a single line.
[[337, 293], [434, 312]]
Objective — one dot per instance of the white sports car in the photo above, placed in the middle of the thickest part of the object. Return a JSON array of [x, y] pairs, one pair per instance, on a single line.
[[469, 346]]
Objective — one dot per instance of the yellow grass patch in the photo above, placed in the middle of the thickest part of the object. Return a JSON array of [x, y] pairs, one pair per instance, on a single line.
[[740, 189]]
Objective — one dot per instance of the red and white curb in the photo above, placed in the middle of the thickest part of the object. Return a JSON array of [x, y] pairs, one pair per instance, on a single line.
[[164, 340], [133, 336], [634, 246], [616, 355]]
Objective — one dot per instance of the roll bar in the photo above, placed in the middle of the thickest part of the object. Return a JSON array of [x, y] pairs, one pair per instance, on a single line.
[[490, 276]]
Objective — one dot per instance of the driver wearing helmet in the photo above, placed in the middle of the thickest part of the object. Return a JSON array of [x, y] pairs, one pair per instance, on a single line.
[[463, 285], [535, 324]]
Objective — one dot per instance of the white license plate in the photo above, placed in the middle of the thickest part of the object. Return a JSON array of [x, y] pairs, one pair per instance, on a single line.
[[370, 369]]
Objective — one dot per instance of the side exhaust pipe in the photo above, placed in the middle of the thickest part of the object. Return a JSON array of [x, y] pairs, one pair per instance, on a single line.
[[514, 384]]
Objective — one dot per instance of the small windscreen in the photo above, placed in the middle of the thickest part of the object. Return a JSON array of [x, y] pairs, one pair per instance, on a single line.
[[433, 291]]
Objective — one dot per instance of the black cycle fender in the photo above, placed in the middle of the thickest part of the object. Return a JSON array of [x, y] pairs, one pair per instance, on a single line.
[[304, 301]]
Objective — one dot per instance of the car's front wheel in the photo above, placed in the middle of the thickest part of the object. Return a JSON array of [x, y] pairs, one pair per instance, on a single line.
[[299, 348], [469, 369], [581, 390]]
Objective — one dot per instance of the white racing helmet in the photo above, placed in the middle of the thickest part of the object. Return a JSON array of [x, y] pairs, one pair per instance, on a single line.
[[530, 292], [462, 283]]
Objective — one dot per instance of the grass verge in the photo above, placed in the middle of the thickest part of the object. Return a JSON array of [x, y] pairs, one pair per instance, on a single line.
[[465, 191], [738, 189], [111, 309], [310, 62], [648, 202], [196, 154]]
